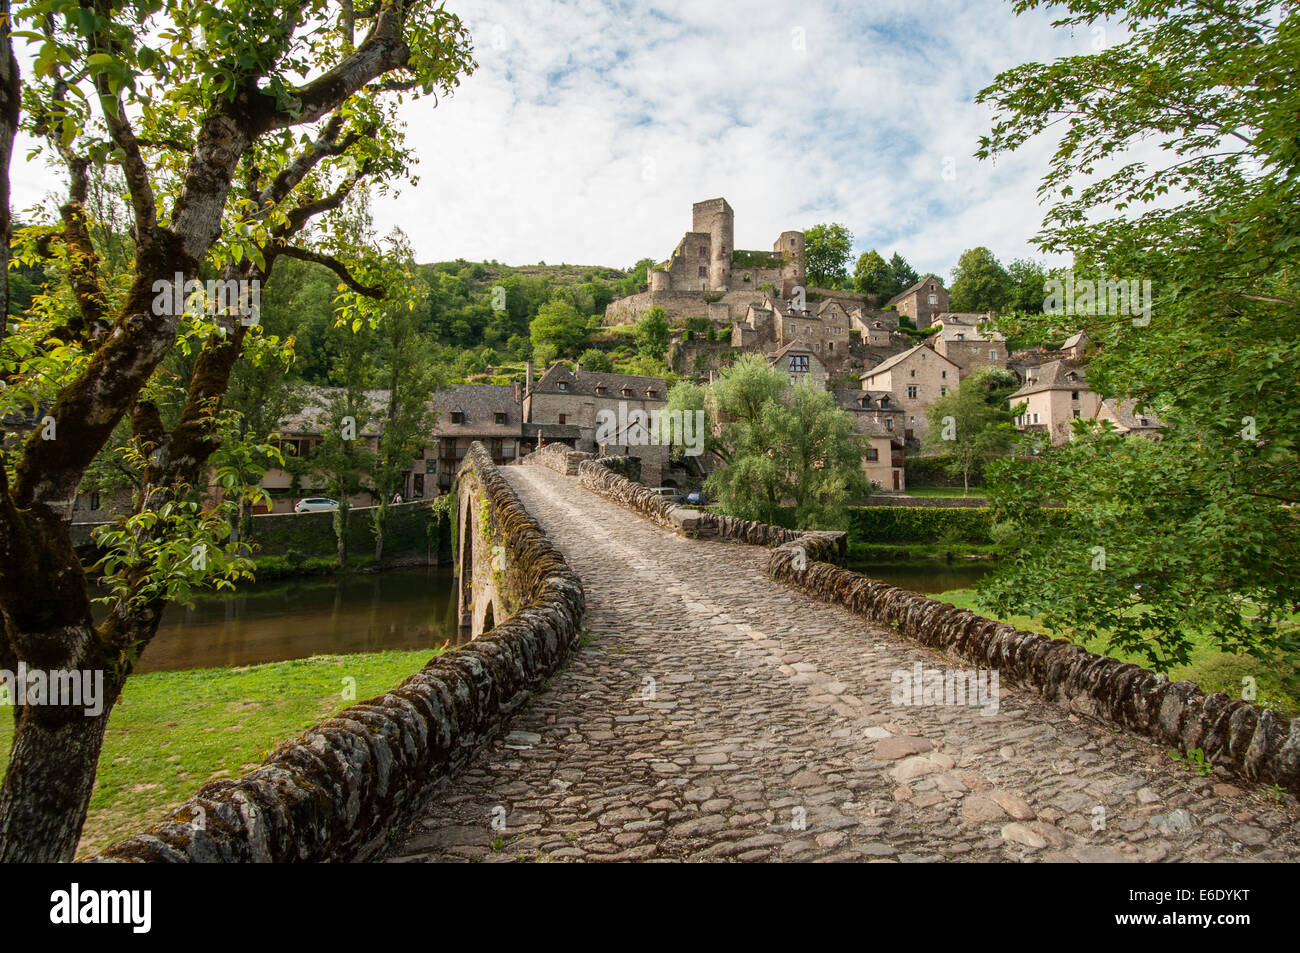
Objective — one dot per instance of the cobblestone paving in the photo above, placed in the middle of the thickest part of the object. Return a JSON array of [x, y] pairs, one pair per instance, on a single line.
[[716, 714]]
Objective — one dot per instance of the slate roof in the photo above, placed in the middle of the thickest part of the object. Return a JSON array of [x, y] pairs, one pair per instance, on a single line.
[[1054, 375], [584, 383], [1123, 412], [899, 358], [969, 332], [776, 355], [480, 403], [903, 294], [1074, 340], [315, 412], [849, 399]]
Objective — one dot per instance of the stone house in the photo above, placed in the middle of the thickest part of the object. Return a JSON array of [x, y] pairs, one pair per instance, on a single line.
[[567, 406], [922, 301], [876, 416], [1075, 345], [1123, 415], [969, 347], [1055, 395], [301, 435], [916, 378], [800, 363], [489, 413]]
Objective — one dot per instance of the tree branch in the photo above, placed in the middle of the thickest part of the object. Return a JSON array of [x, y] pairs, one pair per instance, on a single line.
[[333, 264]]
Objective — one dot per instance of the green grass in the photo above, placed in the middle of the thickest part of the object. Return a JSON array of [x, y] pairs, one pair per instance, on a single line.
[[1210, 668], [174, 731], [942, 491]]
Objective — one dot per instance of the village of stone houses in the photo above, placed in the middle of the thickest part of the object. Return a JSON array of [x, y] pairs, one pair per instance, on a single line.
[[767, 546]]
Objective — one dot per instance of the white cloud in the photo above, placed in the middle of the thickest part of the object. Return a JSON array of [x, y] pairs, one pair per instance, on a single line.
[[589, 128]]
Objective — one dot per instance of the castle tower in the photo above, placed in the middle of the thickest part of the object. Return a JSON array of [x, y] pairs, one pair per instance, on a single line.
[[716, 217], [790, 244]]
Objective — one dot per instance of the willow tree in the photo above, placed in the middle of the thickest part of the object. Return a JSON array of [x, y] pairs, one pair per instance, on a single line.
[[238, 126]]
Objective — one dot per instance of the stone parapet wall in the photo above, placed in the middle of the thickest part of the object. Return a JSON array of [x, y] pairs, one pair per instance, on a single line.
[[1249, 741], [557, 457], [337, 791], [601, 476]]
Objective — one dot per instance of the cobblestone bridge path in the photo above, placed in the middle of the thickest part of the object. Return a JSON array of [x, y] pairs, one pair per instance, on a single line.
[[714, 713]]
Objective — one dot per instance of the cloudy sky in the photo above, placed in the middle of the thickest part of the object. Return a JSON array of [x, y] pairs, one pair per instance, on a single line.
[[590, 127]]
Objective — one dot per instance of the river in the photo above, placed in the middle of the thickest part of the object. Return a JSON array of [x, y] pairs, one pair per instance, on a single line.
[[929, 577], [297, 618]]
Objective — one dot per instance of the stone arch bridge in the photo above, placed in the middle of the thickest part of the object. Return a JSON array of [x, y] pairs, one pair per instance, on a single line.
[[724, 708]]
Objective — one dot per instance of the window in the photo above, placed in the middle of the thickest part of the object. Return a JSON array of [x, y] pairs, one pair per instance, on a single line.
[[961, 335], [943, 392], [1035, 418], [873, 453], [457, 417], [600, 388], [913, 372], [943, 374], [934, 299], [650, 392], [564, 418], [500, 418], [799, 363], [1076, 411], [562, 386], [1074, 395], [889, 423], [993, 355], [912, 391], [1142, 421], [792, 243], [703, 253], [703, 271], [626, 392]]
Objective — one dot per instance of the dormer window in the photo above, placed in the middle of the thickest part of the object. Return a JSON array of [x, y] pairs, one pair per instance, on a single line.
[[500, 419], [600, 388], [627, 392], [650, 392], [562, 386], [457, 417]]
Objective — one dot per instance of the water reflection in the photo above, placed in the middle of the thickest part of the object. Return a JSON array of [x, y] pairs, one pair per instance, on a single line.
[[927, 578], [289, 619]]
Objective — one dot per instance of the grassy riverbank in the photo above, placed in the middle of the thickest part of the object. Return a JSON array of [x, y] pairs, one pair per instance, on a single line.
[[1213, 670], [173, 731]]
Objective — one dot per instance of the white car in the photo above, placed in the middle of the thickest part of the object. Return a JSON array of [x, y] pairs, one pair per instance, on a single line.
[[316, 504]]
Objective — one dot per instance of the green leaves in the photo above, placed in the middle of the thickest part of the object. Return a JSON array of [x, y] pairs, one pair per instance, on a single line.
[[1198, 530]]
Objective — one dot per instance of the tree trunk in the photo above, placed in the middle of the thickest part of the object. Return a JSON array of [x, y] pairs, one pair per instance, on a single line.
[[381, 519], [341, 530], [44, 799]]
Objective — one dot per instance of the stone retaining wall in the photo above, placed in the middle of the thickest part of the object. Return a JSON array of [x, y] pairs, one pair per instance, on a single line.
[[558, 457], [1249, 741], [335, 792]]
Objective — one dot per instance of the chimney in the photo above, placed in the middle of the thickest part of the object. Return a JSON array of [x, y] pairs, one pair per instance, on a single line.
[[518, 392], [528, 377]]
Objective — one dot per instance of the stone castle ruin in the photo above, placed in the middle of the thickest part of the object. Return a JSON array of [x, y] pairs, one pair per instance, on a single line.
[[707, 276]]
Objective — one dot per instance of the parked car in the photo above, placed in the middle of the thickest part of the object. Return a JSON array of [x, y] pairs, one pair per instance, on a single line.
[[697, 497], [668, 493], [316, 504]]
